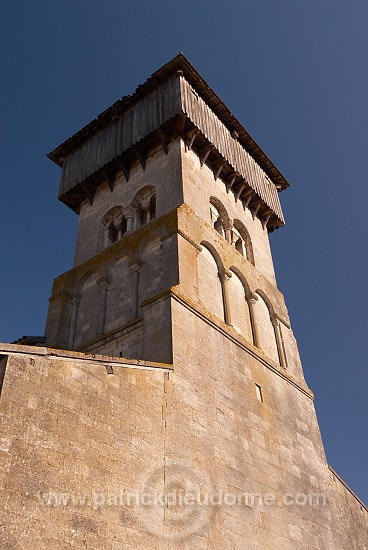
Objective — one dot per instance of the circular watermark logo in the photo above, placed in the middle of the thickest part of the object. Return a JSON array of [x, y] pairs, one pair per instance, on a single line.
[[175, 503]]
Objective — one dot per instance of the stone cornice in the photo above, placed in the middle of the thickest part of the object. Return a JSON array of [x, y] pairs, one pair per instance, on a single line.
[[86, 358], [177, 295]]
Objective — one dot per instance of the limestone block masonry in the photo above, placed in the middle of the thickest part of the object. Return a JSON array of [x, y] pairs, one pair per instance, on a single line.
[[168, 409]]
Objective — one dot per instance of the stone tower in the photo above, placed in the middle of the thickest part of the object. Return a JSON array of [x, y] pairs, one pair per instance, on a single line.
[[173, 276]]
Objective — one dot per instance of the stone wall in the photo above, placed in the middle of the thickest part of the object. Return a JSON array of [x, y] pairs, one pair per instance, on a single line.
[[91, 445], [162, 171], [243, 444], [72, 435], [199, 185]]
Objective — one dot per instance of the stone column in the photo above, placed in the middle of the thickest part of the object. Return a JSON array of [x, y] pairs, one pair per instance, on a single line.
[[129, 224], [253, 320], [136, 219], [129, 215], [279, 341], [228, 233], [104, 287], [145, 206], [224, 277], [135, 267], [73, 321], [120, 233]]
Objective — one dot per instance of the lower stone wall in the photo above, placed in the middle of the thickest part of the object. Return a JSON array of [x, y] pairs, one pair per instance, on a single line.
[[90, 446], [74, 439], [252, 434]]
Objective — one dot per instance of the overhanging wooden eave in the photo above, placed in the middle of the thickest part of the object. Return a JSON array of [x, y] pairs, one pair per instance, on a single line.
[[178, 63]]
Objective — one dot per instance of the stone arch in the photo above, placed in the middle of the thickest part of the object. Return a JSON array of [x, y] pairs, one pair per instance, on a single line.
[[151, 267], [88, 315], [238, 302], [112, 222], [219, 217], [155, 235], [241, 276], [210, 293], [82, 280], [113, 259], [215, 254], [265, 315], [144, 206], [245, 247], [119, 292], [267, 302]]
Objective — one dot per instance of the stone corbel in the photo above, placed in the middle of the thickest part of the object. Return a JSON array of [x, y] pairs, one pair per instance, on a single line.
[[190, 137], [256, 208], [204, 152], [247, 198], [218, 168], [230, 181], [240, 191]]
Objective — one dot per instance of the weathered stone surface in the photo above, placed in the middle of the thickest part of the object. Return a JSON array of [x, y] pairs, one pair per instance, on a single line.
[[209, 407]]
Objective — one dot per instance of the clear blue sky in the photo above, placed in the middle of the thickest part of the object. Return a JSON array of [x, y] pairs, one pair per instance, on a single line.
[[293, 72]]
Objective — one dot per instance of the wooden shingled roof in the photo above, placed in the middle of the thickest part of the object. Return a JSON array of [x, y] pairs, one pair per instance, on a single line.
[[178, 63]]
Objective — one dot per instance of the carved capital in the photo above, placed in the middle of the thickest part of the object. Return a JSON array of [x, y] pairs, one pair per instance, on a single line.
[[135, 265], [76, 300], [128, 212], [224, 275], [103, 283], [252, 299]]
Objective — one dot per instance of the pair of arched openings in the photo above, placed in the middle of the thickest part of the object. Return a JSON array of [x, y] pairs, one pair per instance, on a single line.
[[226, 295], [233, 231], [106, 300], [118, 220]]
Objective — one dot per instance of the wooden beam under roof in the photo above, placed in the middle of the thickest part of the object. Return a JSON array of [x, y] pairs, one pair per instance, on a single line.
[[163, 139], [123, 166], [107, 177], [86, 189], [218, 168], [204, 152], [140, 155]]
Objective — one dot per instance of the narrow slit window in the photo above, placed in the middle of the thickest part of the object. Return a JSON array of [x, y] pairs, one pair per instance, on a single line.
[[259, 393]]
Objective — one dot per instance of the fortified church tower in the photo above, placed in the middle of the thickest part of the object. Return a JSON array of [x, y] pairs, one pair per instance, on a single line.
[[173, 271], [175, 203]]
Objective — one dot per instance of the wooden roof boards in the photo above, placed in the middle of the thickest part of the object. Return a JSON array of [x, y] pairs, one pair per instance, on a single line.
[[174, 89]]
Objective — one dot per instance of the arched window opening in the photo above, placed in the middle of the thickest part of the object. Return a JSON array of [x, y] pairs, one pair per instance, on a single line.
[[219, 226], [238, 241], [112, 227], [123, 225], [217, 221], [239, 246], [219, 218], [242, 242], [144, 205], [113, 234], [209, 286], [152, 207], [266, 330], [239, 307]]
